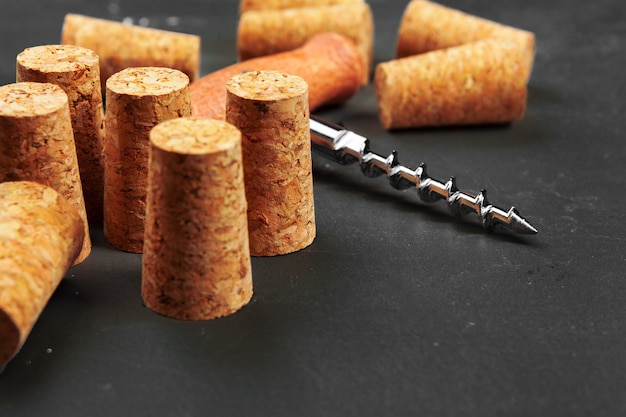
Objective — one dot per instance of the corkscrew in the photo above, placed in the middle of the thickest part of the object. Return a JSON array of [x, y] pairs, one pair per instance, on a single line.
[[346, 147]]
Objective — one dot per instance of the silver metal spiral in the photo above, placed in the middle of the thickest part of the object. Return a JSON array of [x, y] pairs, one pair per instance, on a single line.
[[346, 147]]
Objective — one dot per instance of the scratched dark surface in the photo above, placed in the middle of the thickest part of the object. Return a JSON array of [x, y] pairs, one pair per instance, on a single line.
[[397, 308]]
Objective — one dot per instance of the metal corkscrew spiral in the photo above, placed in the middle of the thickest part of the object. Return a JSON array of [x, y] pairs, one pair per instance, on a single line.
[[346, 147]]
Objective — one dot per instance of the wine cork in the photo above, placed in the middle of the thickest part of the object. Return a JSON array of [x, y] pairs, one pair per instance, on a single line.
[[271, 110], [137, 100], [121, 46], [37, 144], [246, 5], [196, 260], [266, 32], [41, 234], [76, 70], [428, 26], [477, 83]]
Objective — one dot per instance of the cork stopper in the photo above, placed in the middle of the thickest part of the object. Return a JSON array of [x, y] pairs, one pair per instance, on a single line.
[[196, 260], [271, 109], [476, 83], [269, 31], [41, 234], [137, 100], [37, 143], [428, 26], [76, 70]]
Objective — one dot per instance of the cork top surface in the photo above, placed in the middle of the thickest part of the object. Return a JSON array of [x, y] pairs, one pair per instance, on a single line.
[[194, 135], [27, 99], [266, 85], [147, 81], [57, 58]]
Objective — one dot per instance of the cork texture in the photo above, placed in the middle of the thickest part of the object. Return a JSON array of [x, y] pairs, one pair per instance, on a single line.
[[41, 234], [196, 261], [330, 64], [271, 110], [246, 5], [122, 46], [137, 100], [477, 83], [428, 26], [76, 70], [37, 143], [266, 32]]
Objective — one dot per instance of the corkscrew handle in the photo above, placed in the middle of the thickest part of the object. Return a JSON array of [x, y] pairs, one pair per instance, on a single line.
[[346, 147]]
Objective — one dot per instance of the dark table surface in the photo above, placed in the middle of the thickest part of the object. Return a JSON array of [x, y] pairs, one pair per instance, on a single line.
[[397, 308]]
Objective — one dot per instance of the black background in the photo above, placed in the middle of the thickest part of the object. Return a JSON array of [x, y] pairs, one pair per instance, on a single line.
[[397, 308]]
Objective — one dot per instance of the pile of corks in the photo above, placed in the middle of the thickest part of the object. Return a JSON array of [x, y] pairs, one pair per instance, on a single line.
[[451, 68], [200, 173]]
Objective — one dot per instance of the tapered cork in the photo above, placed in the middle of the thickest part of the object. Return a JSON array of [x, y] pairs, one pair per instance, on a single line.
[[266, 32], [122, 46], [76, 70], [196, 260], [37, 144], [137, 100], [271, 110], [477, 83], [41, 234], [246, 5], [428, 26]]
